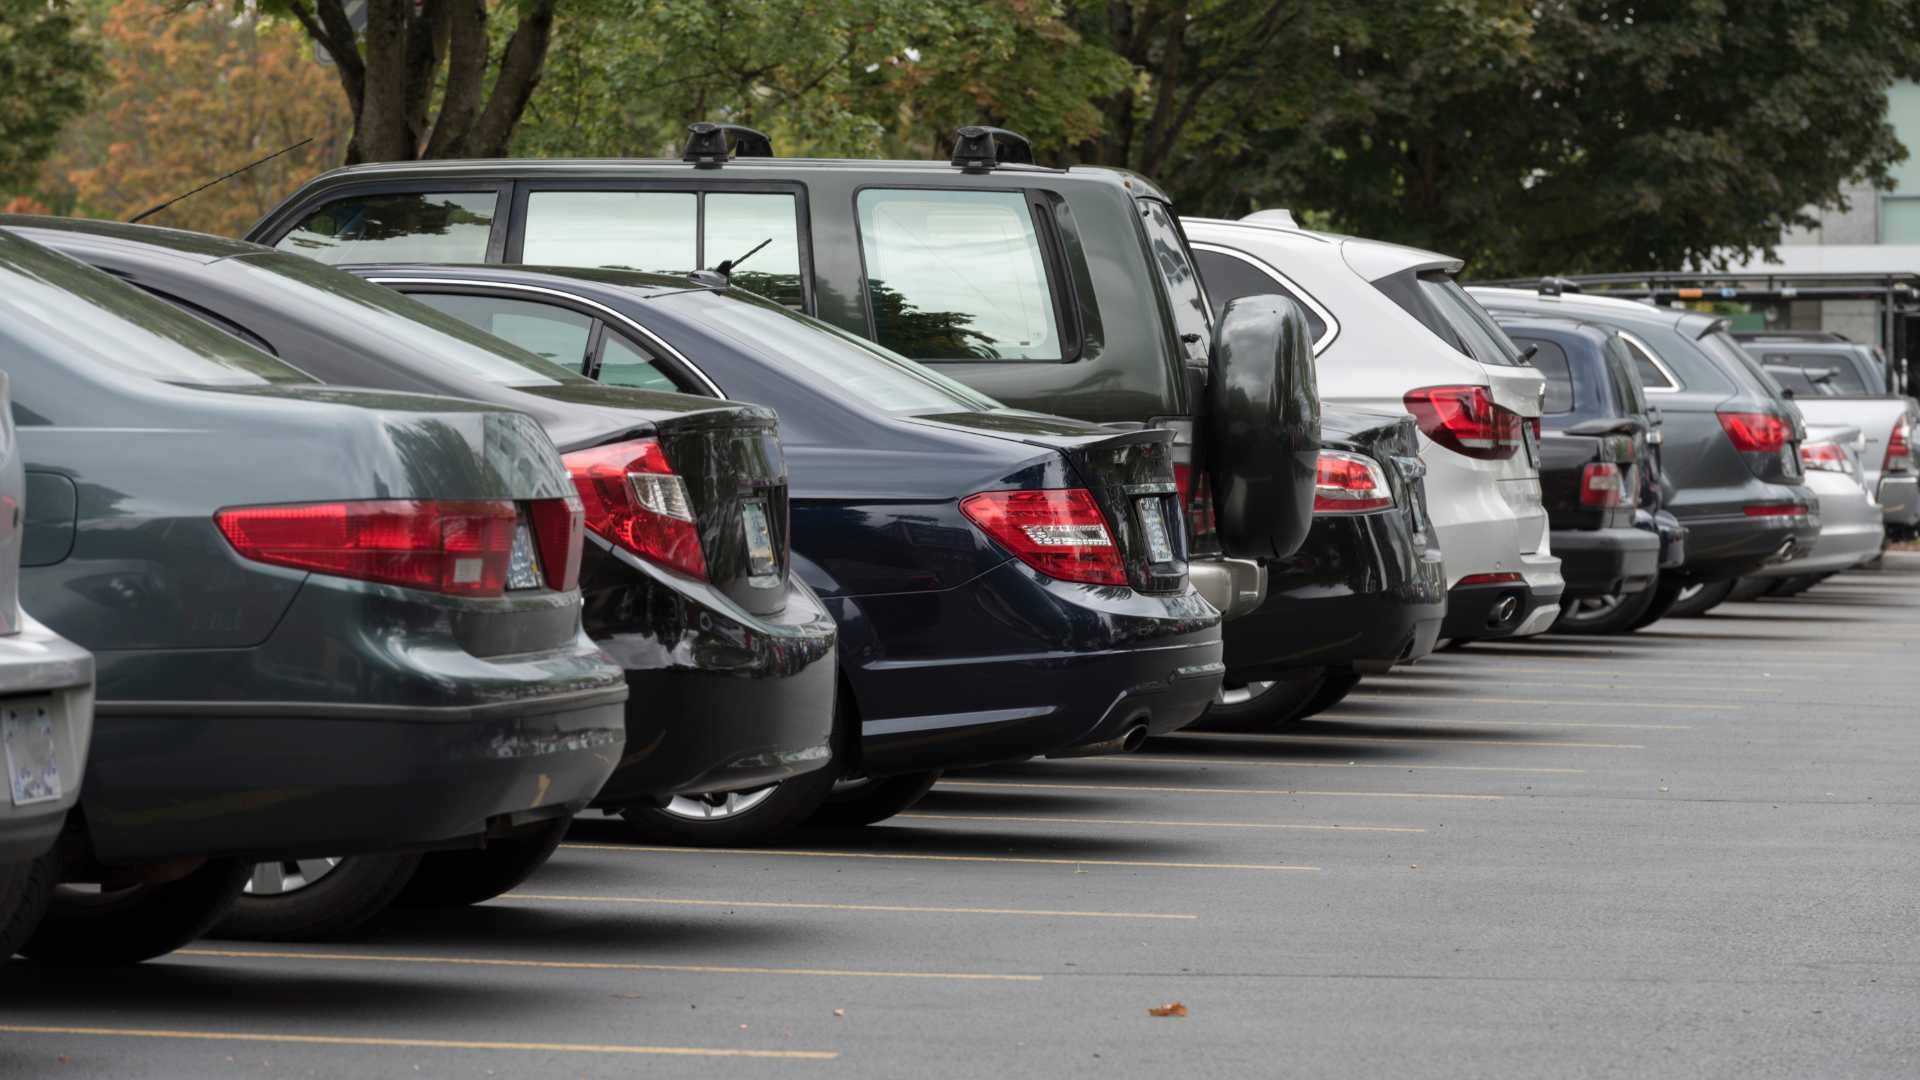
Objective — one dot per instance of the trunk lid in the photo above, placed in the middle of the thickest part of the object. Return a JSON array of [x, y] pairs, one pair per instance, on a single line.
[[1393, 440]]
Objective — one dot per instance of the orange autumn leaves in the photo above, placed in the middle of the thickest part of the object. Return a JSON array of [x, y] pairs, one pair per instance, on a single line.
[[190, 93]]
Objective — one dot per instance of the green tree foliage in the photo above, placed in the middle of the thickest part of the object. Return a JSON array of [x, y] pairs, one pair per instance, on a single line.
[[46, 70]]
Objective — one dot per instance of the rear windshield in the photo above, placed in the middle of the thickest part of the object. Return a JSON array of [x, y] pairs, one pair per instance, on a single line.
[[351, 306], [1730, 355], [1442, 306], [1838, 373], [828, 357], [112, 321]]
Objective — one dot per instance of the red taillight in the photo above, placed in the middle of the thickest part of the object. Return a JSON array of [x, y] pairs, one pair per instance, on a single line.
[[1774, 510], [1466, 420], [1602, 485], [1196, 497], [559, 526], [1824, 457], [1060, 533], [1507, 578], [459, 548], [1899, 449], [632, 497], [1756, 433], [1349, 484]]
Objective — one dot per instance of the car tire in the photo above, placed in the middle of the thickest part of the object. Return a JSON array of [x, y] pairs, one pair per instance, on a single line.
[[1339, 683], [25, 890], [126, 926], [1692, 604], [333, 904], [476, 875], [854, 803], [1264, 705], [1619, 615], [1794, 586], [732, 819], [1752, 588]]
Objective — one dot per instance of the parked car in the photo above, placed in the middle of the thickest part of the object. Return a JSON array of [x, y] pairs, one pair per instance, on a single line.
[[1601, 473], [1062, 291], [46, 717], [1731, 444], [1851, 529], [686, 573], [1837, 383], [1007, 584], [1860, 369], [327, 622], [1393, 331]]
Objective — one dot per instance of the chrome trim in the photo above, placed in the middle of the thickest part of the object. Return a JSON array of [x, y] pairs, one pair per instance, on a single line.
[[1674, 384], [1306, 298]]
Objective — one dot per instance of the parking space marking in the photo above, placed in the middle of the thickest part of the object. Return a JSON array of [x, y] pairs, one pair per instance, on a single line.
[[594, 965], [417, 1044], [1535, 669], [1026, 786], [1553, 701], [1558, 744], [918, 857], [783, 905], [1417, 682], [1148, 755], [1169, 824]]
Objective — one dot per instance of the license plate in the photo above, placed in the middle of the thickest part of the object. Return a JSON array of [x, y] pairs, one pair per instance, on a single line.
[[1153, 521], [33, 759], [763, 570]]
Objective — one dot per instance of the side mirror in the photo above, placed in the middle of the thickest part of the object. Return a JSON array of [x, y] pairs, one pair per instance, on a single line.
[[1263, 427]]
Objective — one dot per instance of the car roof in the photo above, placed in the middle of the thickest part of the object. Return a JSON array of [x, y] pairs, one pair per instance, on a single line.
[[1371, 259], [196, 247], [1567, 323]]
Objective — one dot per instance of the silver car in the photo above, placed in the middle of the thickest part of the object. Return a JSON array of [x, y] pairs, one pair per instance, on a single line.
[[1851, 526], [46, 705]]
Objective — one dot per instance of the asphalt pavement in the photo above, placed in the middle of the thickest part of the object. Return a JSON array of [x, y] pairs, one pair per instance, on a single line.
[[1693, 852]]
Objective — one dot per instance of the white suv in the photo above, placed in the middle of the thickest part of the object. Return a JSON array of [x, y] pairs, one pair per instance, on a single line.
[[1393, 330]]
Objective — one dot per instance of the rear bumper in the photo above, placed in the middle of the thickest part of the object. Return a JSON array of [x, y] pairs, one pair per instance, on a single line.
[[1722, 546], [1019, 664], [1360, 593], [1851, 532], [1503, 609], [48, 680], [1607, 562], [1900, 499], [723, 700]]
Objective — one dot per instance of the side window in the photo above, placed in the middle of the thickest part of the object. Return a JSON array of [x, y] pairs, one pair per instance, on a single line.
[[1229, 277], [738, 222], [404, 227], [1551, 359], [555, 333], [1841, 376], [957, 275], [1651, 375], [1620, 366], [620, 364], [1192, 318], [656, 231]]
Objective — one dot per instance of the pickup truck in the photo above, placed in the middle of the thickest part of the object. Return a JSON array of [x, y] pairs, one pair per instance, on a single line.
[[1838, 384]]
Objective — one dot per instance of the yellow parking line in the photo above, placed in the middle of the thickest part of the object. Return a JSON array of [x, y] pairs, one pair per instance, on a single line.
[[1169, 824], [1267, 764], [414, 1044], [782, 905], [917, 857], [1550, 701], [1000, 784], [589, 965]]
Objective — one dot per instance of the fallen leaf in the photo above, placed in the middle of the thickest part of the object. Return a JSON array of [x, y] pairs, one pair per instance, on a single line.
[[1170, 1009], [839, 1012]]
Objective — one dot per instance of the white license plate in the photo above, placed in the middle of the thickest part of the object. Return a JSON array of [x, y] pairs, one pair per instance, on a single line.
[[33, 758], [1153, 521], [763, 569]]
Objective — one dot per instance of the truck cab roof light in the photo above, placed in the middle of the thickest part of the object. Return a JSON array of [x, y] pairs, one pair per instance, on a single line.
[[977, 148]]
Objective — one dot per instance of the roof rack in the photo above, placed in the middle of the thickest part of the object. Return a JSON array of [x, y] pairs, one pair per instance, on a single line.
[[707, 144], [977, 148], [1554, 286], [1792, 335]]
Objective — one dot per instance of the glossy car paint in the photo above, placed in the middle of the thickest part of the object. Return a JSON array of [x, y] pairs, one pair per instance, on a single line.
[[1851, 528], [954, 653], [1364, 591], [1487, 515], [1712, 481], [1135, 358], [732, 684], [43, 678], [259, 711]]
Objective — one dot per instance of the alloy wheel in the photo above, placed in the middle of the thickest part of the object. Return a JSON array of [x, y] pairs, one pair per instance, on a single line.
[[709, 806], [1240, 695], [282, 876]]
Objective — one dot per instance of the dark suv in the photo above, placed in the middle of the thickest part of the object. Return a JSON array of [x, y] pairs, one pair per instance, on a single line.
[[1061, 291]]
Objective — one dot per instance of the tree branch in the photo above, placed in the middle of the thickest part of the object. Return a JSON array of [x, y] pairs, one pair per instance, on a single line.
[[466, 77], [520, 68]]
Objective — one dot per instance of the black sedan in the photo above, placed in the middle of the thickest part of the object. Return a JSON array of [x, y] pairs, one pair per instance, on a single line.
[[326, 621], [1006, 583]]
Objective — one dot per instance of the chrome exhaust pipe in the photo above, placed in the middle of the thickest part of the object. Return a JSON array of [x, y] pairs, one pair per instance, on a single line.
[[1505, 610], [1127, 742]]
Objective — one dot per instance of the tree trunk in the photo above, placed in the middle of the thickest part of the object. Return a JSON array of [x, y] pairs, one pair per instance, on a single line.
[[520, 68]]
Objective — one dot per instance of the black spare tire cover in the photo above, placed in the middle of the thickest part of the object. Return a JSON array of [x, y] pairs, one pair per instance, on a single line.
[[1263, 427]]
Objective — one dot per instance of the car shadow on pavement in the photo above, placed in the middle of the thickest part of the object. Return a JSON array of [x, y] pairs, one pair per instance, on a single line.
[[909, 837], [1251, 746], [946, 799], [226, 992], [548, 930]]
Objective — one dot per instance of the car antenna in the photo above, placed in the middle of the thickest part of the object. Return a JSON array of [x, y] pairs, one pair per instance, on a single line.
[[144, 214], [726, 268]]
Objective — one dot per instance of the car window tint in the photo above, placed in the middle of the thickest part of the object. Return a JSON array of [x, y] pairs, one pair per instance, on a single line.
[[655, 231], [1404, 290], [738, 222], [957, 275], [1621, 369], [1800, 382], [623, 365], [1739, 361], [401, 227], [1650, 374], [1229, 277], [1551, 359], [552, 333], [1476, 332], [1192, 317], [1844, 376]]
